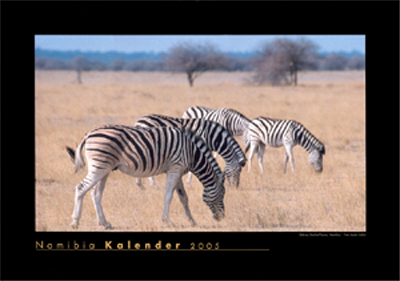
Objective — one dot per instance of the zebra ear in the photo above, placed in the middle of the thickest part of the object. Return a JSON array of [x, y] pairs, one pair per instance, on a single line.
[[322, 149]]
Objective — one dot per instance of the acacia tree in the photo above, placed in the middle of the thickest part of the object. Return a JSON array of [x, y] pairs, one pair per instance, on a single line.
[[280, 60], [193, 59]]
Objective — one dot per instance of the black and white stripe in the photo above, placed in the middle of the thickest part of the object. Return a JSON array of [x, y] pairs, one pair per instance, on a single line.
[[143, 152], [235, 122], [196, 111], [215, 136], [232, 120], [275, 133]]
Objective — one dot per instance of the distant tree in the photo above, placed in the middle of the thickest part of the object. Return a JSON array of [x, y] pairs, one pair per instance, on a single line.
[[356, 63], [50, 63], [193, 59], [97, 65], [80, 63], [334, 62], [56, 64], [231, 63], [135, 65], [40, 63], [145, 65], [117, 64], [279, 61]]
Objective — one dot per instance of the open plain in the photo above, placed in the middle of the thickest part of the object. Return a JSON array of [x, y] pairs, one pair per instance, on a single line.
[[331, 105]]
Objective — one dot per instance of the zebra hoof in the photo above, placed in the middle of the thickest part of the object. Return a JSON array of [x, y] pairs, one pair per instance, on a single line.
[[74, 225], [169, 224], [218, 216], [108, 225]]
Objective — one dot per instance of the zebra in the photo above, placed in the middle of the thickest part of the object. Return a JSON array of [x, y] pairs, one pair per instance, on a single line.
[[235, 122], [215, 136], [143, 152], [273, 132], [196, 111]]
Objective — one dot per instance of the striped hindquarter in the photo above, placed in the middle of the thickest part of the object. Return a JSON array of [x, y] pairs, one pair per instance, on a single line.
[[196, 111], [232, 120], [275, 133], [215, 136], [143, 152]]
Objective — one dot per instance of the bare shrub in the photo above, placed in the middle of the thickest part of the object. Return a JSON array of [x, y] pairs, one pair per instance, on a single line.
[[279, 61], [193, 59]]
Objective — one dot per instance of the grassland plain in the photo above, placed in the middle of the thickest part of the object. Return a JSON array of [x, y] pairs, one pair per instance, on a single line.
[[330, 104]]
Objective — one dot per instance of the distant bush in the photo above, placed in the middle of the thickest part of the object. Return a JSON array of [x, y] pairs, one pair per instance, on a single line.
[[333, 62], [356, 63], [194, 59], [145, 65], [279, 61], [50, 64], [82, 62], [269, 66]]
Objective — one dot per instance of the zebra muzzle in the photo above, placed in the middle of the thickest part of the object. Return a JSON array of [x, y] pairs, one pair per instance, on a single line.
[[218, 216]]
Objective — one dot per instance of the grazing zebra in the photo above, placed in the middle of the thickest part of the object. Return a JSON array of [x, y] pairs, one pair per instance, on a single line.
[[236, 123], [272, 132], [143, 152], [232, 120], [196, 111], [214, 135]]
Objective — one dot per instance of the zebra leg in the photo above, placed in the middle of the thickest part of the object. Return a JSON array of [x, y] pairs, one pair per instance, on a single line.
[[185, 201], [97, 193], [152, 182], [139, 183], [260, 156], [172, 182], [288, 154], [253, 148], [285, 162], [81, 189]]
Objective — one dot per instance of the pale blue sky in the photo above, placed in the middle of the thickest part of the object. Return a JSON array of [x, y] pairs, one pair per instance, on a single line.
[[161, 43]]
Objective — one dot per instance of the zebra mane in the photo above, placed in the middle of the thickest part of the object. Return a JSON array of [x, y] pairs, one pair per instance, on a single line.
[[193, 123], [202, 107], [202, 146], [317, 144]]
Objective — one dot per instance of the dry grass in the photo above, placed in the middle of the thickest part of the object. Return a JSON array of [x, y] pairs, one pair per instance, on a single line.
[[330, 104]]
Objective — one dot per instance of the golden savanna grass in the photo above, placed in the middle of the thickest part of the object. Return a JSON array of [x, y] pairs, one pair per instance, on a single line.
[[330, 104]]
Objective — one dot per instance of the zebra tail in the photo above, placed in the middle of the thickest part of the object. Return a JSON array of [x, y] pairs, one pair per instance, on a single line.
[[71, 153], [77, 158]]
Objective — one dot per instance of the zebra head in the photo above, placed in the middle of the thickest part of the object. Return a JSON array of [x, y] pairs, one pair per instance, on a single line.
[[217, 203], [220, 212], [208, 172], [315, 157]]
